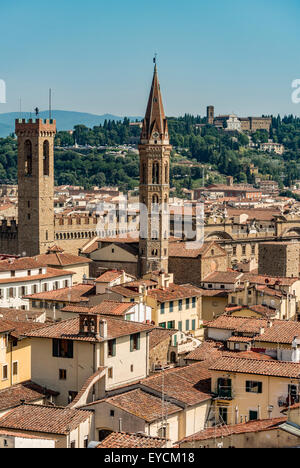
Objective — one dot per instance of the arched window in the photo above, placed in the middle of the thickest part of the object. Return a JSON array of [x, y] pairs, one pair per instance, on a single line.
[[28, 157], [155, 173], [46, 161], [154, 252]]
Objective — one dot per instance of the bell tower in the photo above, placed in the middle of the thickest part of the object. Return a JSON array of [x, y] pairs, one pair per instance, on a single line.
[[36, 185], [155, 150]]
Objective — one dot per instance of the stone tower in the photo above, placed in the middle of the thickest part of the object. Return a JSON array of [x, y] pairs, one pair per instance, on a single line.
[[210, 115], [36, 185], [155, 152]]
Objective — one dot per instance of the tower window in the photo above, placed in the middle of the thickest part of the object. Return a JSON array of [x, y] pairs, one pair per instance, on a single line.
[[155, 173], [46, 162], [28, 157]]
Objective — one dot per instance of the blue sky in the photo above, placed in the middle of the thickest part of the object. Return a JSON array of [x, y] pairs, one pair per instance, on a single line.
[[240, 55]]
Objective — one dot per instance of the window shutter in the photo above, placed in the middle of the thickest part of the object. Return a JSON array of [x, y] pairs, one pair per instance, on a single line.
[[259, 387], [131, 343], [138, 341], [70, 349], [55, 344], [114, 348]]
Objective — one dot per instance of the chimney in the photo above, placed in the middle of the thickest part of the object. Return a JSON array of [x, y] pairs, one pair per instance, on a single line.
[[261, 331], [270, 324]]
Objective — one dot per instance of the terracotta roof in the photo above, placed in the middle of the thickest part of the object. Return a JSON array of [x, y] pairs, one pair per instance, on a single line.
[[190, 385], [225, 277], [124, 440], [158, 335], [243, 428], [257, 367], [70, 330], [78, 293], [51, 273], [214, 292], [19, 314], [180, 249], [238, 324], [45, 419], [62, 259], [210, 351], [142, 405], [124, 291], [240, 339], [282, 331], [268, 280], [27, 391], [109, 276], [17, 329], [113, 308], [15, 264], [174, 292]]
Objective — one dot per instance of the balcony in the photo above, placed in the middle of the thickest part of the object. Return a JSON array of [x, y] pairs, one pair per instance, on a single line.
[[224, 393]]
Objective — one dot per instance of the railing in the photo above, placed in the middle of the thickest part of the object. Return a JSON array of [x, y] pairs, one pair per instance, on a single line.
[[224, 392]]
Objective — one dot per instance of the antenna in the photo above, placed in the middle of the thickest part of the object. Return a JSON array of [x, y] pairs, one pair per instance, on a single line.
[[50, 103]]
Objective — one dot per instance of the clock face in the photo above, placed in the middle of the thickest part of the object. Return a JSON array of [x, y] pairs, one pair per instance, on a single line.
[[155, 135]]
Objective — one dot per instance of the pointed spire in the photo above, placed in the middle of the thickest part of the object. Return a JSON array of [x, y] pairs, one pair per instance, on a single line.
[[155, 122]]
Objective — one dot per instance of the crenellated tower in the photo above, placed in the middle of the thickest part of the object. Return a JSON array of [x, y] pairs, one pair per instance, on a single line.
[[155, 150], [36, 185]]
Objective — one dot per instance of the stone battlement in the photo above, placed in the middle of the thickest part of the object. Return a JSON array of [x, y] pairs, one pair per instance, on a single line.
[[34, 125]]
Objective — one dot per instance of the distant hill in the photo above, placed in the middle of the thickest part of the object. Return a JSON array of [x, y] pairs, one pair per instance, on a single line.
[[65, 120]]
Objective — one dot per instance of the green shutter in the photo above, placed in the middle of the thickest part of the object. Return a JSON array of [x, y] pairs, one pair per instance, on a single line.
[[139, 341], [131, 343]]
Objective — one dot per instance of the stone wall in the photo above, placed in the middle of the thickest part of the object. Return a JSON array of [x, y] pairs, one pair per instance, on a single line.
[[279, 259]]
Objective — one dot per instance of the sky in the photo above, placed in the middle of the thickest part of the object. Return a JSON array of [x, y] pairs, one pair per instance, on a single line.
[[239, 55]]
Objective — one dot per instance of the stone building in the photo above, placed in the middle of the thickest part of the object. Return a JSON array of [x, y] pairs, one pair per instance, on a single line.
[[279, 259]]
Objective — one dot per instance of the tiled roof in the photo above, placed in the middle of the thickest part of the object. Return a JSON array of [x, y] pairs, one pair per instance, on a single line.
[[142, 405], [112, 308], [239, 339], [190, 385], [26, 263], [17, 329], [243, 428], [46, 419], [258, 367], [70, 330], [19, 314], [174, 292], [158, 335], [180, 249], [51, 273], [75, 294], [123, 291], [214, 292], [210, 351], [268, 280], [109, 276], [62, 259], [119, 440], [264, 311], [282, 331], [27, 391], [238, 324], [225, 277]]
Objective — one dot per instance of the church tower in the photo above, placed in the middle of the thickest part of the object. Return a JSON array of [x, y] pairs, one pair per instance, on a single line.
[[154, 149], [36, 185]]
